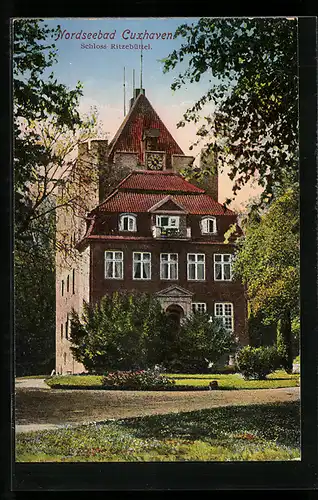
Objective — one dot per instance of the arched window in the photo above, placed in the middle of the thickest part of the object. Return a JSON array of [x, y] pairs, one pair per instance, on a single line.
[[208, 225], [127, 222]]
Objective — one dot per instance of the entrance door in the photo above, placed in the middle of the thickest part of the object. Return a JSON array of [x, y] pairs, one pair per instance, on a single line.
[[175, 313]]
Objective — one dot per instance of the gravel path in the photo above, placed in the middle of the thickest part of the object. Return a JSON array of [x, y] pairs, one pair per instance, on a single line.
[[31, 383], [39, 408]]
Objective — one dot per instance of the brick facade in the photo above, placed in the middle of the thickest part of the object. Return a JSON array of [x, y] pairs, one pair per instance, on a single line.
[[95, 228]]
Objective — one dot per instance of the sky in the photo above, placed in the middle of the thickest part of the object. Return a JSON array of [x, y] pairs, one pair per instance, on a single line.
[[101, 71]]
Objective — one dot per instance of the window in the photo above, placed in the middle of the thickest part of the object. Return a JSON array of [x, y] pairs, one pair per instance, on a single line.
[[114, 265], [61, 331], [127, 223], [66, 329], [224, 310], [141, 266], [196, 266], [68, 284], [223, 267], [208, 225], [169, 266], [73, 281], [167, 221], [198, 307], [62, 287], [64, 359]]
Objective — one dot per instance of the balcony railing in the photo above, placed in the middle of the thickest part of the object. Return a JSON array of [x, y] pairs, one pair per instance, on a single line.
[[171, 232]]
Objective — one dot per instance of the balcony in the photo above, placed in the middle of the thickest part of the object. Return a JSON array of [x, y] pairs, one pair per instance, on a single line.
[[171, 233]]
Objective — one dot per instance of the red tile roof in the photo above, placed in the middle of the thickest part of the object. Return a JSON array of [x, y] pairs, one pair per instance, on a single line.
[[121, 201], [149, 180], [98, 237]]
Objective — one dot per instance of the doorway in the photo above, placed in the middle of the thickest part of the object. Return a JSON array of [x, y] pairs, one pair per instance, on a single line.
[[175, 313]]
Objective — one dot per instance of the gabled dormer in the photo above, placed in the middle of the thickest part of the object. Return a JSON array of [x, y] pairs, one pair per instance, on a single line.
[[169, 219]]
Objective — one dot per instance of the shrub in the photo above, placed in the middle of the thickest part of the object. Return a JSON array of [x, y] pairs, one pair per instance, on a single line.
[[137, 380], [122, 332], [257, 362], [200, 341]]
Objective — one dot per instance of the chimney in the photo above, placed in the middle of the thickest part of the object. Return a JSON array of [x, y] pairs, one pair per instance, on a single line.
[[136, 94]]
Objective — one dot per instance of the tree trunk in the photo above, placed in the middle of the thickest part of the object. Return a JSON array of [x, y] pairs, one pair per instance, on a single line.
[[284, 341]]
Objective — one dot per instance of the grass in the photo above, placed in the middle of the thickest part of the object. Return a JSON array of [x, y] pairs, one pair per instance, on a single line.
[[226, 382], [221, 434]]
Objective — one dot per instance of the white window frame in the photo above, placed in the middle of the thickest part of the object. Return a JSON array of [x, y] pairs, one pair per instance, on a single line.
[[114, 261], [222, 263], [169, 217], [195, 262], [223, 315], [131, 218], [170, 263], [204, 225], [141, 261], [196, 306]]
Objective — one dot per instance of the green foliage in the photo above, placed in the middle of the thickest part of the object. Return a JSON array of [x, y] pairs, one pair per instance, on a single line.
[[122, 332], [137, 380], [36, 99], [45, 123], [226, 382], [268, 258], [128, 331], [267, 262], [251, 65], [200, 341], [235, 433], [284, 343], [257, 362], [295, 333], [34, 296], [260, 332]]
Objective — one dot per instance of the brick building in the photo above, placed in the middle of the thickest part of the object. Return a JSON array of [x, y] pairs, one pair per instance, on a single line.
[[144, 227]]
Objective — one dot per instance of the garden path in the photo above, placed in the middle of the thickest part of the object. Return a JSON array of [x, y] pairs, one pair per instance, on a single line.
[[39, 408]]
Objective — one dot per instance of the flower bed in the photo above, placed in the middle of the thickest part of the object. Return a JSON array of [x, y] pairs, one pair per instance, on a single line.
[[147, 380]]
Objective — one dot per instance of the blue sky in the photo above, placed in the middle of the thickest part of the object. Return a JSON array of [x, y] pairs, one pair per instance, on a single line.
[[101, 73]]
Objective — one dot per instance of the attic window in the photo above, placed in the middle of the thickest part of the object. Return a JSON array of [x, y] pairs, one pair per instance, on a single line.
[[208, 225], [127, 222], [167, 221], [151, 137]]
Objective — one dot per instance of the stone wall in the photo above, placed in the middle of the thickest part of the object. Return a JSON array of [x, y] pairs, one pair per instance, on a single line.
[[72, 266]]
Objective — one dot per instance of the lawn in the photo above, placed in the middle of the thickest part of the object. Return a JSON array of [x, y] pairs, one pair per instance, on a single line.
[[237, 433], [225, 381]]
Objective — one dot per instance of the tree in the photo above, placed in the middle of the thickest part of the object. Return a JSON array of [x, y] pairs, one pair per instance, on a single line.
[[47, 128], [130, 330], [47, 124], [34, 287], [267, 261], [200, 340], [251, 65], [121, 332]]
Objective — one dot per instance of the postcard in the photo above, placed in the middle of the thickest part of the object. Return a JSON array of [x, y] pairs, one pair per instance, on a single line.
[[157, 240]]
